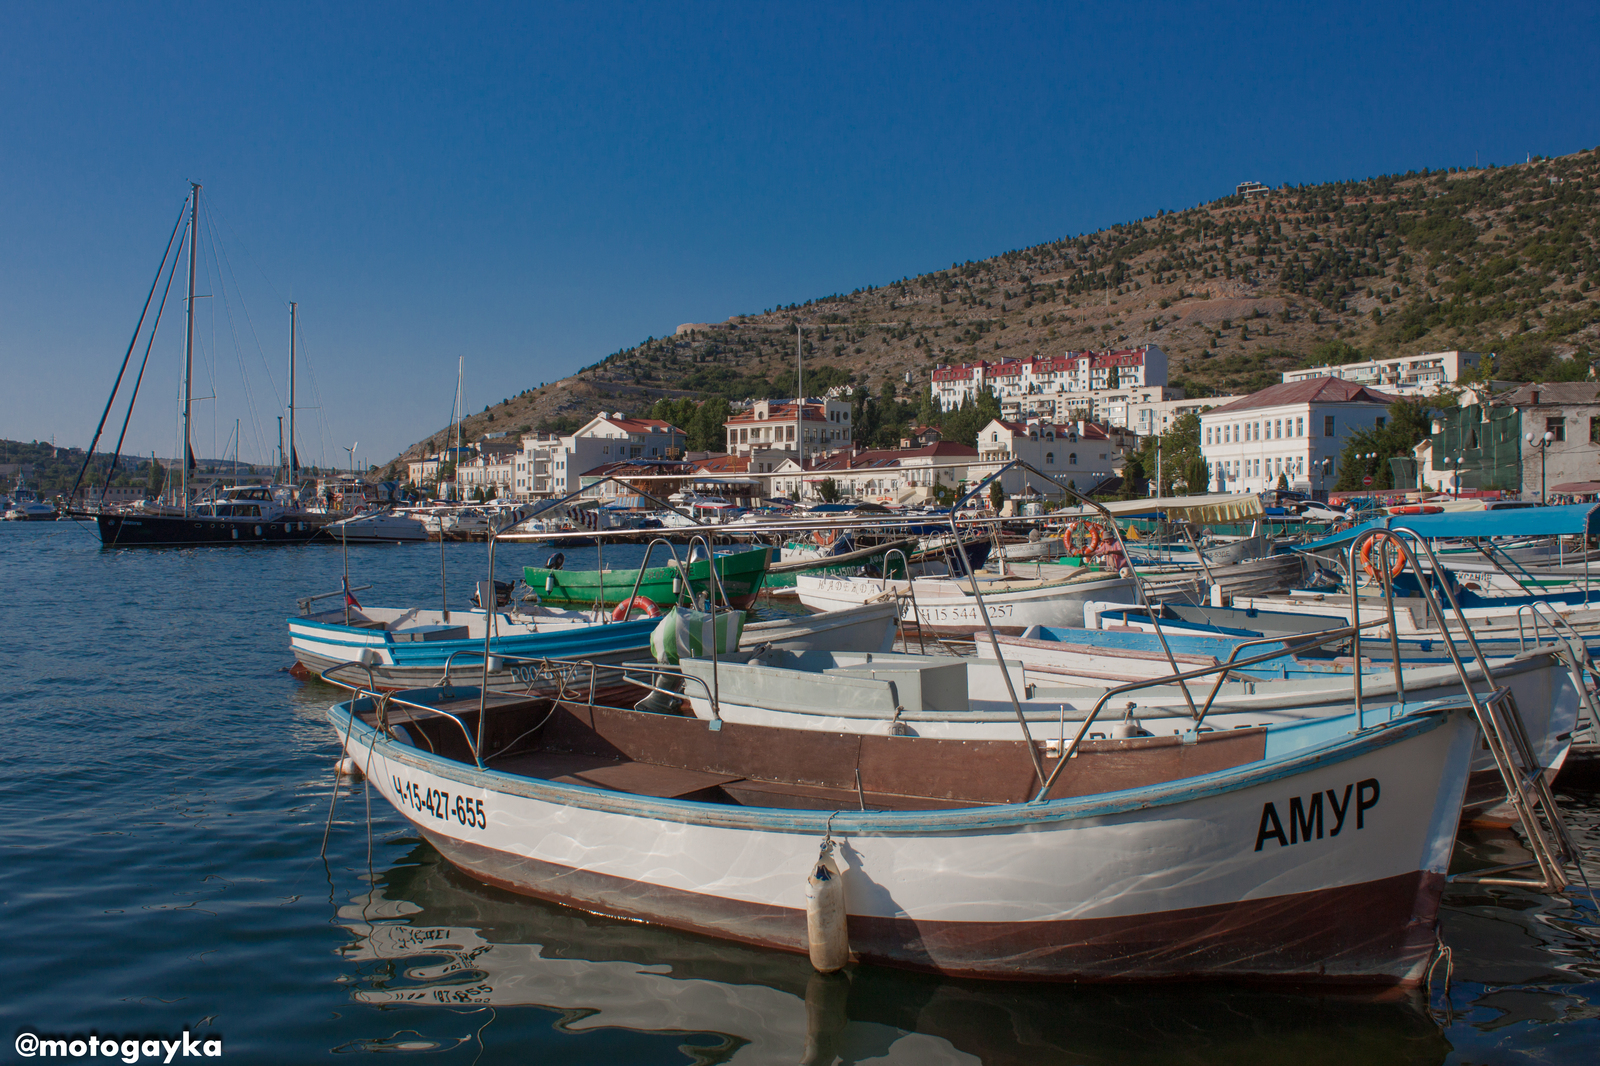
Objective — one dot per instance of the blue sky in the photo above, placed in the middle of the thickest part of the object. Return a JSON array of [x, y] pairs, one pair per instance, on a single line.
[[535, 186]]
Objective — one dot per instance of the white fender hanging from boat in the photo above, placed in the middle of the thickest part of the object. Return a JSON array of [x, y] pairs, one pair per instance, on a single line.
[[827, 940]]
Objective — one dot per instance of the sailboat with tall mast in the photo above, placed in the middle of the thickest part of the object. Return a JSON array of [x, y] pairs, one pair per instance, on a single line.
[[237, 515]]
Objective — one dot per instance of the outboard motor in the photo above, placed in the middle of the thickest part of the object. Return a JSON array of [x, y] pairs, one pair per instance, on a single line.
[[555, 562], [502, 595]]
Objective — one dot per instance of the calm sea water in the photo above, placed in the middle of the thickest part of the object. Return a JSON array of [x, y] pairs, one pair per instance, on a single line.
[[165, 794]]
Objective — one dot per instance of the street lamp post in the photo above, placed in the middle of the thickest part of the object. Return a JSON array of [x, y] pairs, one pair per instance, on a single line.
[[1543, 444]]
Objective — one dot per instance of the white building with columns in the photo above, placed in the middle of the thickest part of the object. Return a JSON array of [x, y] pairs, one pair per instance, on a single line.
[[1296, 430]]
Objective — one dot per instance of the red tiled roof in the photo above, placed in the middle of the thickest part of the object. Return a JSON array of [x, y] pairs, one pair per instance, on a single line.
[[642, 425], [723, 464], [1315, 390], [881, 457]]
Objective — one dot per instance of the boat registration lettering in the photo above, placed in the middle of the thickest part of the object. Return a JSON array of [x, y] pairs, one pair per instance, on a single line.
[[441, 805], [1305, 818]]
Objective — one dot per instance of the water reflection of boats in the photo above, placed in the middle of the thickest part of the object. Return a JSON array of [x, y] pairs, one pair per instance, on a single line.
[[453, 943]]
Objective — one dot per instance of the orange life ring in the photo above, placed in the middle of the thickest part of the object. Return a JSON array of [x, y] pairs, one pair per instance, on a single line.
[[1366, 556], [824, 537], [1092, 531], [648, 606], [1417, 508]]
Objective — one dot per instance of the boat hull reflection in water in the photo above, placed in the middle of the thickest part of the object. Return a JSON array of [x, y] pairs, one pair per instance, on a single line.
[[446, 941]]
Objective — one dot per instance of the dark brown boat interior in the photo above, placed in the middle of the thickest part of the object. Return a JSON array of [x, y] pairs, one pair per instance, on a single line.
[[676, 756]]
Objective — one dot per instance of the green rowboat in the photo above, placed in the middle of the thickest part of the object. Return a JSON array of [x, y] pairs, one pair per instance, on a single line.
[[742, 574]]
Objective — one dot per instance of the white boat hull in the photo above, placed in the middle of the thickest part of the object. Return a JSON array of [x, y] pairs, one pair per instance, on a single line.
[[1183, 880], [941, 607]]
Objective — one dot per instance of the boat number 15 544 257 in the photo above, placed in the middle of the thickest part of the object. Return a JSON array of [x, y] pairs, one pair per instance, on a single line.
[[441, 804]]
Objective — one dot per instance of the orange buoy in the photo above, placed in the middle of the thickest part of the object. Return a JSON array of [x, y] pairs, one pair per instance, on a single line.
[[648, 606], [1372, 568]]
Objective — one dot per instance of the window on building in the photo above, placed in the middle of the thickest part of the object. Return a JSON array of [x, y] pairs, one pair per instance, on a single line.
[[1327, 425], [1049, 458], [1072, 460], [1299, 427], [1378, 424], [1277, 429], [1556, 427], [1594, 431]]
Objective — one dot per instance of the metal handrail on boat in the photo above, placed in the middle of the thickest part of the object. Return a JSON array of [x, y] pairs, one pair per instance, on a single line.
[[1221, 669], [1498, 717], [305, 602], [382, 700], [911, 591]]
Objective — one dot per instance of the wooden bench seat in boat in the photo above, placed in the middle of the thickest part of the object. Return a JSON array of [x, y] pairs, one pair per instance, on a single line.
[[668, 756], [639, 778]]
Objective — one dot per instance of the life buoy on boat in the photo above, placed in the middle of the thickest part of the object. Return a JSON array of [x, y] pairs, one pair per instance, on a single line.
[[648, 606], [1371, 567], [1092, 531], [1417, 508], [823, 538]]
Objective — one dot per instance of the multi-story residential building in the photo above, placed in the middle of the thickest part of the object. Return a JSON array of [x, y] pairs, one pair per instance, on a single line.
[[770, 433], [550, 465], [903, 476], [1148, 417], [1295, 430], [493, 470], [1070, 373], [1403, 375], [1081, 452]]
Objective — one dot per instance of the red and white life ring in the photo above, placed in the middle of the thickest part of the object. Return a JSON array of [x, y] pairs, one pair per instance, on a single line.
[[648, 606]]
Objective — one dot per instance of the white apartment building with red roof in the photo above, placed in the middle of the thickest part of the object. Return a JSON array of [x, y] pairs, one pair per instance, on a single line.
[[771, 432], [1071, 374], [551, 465], [1296, 430]]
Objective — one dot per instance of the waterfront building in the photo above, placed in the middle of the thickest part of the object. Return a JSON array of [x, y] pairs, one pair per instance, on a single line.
[[553, 465], [1081, 452], [772, 432], [1294, 430], [1482, 444]]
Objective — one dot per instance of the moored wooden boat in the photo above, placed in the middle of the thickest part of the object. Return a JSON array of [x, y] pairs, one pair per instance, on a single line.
[[1313, 855], [412, 647], [740, 574], [947, 607]]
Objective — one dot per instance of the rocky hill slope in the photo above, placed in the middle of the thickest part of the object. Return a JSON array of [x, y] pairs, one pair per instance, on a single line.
[[1499, 259]]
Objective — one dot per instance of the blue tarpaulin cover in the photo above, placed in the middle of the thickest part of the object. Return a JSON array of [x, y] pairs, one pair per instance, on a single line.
[[1573, 520]]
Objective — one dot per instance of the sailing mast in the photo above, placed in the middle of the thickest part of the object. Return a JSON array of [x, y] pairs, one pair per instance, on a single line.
[[460, 413], [292, 460], [188, 344]]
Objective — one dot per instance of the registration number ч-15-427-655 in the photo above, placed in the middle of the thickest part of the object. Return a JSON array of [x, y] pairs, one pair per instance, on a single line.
[[441, 805]]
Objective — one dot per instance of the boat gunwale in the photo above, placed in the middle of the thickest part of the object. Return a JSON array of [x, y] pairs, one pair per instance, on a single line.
[[897, 823]]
